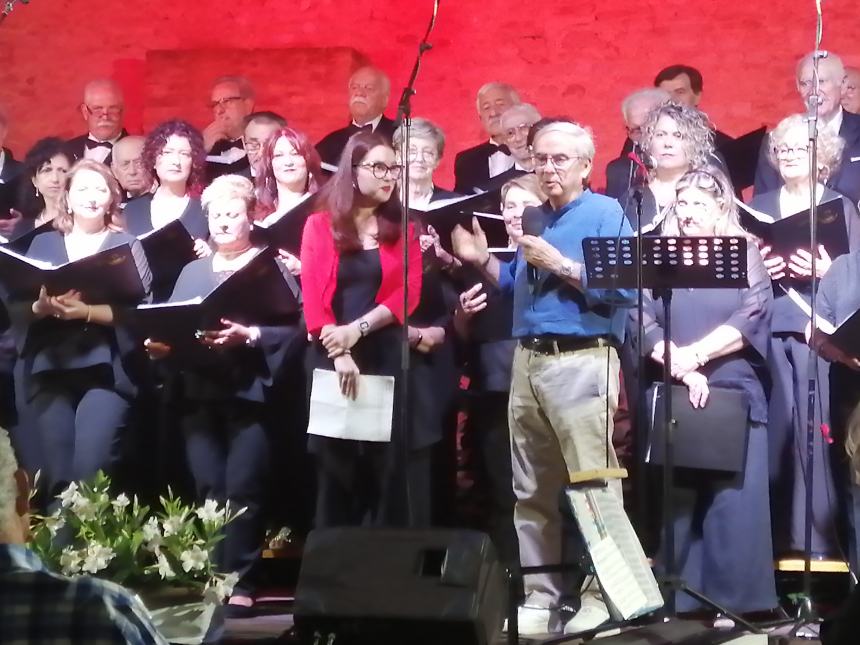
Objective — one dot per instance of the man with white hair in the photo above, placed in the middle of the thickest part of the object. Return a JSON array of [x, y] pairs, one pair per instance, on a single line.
[[831, 116], [369, 89], [474, 167], [127, 166], [851, 90], [40, 607], [102, 110], [635, 107], [565, 375], [515, 124]]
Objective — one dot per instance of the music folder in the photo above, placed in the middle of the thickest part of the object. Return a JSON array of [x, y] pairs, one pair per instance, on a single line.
[[286, 231], [109, 276], [445, 214], [168, 249], [790, 233], [21, 243], [260, 293], [741, 157]]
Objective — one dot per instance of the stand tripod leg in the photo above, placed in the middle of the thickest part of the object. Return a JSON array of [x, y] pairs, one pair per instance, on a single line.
[[682, 587]]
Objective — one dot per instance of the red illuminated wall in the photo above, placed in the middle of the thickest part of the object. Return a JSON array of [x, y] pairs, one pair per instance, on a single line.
[[574, 57]]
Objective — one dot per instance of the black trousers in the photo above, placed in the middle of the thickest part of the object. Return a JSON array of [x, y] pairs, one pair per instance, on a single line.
[[80, 421], [228, 455]]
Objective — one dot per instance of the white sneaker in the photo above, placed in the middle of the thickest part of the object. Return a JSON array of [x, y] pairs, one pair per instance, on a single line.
[[532, 621], [588, 617]]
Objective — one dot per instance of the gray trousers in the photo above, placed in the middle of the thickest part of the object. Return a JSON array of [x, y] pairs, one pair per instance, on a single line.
[[560, 415]]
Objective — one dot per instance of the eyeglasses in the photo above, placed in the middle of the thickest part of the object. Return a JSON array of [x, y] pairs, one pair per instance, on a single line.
[[786, 151], [523, 128], [559, 162], [227, 100], [111, 110], [128, 164], [252, 145], [424, 153], [634, 131], [380, 170]]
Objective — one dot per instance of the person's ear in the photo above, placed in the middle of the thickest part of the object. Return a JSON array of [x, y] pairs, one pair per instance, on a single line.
[[22, 499], [82, 108]]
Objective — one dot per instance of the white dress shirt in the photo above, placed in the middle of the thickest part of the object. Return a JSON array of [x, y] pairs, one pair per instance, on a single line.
[[100, 153], [499, 162]]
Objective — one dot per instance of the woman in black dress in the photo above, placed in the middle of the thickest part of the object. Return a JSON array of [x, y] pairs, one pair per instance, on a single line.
[[789, 360], [720, 339], [224, 394], [352, 285], [76, 357], [41, 184]]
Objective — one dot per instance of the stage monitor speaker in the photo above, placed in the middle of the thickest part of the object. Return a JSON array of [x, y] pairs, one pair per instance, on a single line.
[[394, 586]]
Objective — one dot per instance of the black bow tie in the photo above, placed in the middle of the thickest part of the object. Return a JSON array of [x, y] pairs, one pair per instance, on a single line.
[[236, 143], [367, 127], [500, 148], [92, 144]]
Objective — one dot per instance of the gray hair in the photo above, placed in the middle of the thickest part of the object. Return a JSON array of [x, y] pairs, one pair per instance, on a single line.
[[652, 95], [496, 85], [529, 112], [831, 60], [382, 76], [8, 487], [582, 135], [246, 89], [830, 146], [696, 133], [425, 129], [228, 187]]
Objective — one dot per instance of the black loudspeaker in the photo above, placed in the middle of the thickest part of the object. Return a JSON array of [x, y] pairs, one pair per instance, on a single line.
[[395, 586]]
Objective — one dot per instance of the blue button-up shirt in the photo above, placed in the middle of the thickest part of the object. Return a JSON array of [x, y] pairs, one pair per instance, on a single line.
[[41, 607], [555, 307]]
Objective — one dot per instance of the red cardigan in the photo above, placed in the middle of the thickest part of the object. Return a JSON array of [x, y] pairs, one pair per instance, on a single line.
[[319, 273]]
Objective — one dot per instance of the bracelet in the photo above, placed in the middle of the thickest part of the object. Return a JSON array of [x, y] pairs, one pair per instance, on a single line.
[[89, 312], [418, 340], [701, 357], [487, 261]]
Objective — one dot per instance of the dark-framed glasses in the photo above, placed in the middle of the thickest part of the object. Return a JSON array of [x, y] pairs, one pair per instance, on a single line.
[[558, 161], [380, 170], [110, 110], [224, 102]]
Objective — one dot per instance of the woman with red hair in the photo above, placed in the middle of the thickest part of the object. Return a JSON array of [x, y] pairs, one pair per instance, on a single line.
[[352, 285]]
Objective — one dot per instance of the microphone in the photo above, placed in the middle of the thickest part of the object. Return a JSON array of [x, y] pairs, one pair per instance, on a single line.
[[533, 224], [642, 165]]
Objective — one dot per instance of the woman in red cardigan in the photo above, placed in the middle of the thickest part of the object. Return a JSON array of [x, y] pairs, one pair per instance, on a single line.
[[352, 286]]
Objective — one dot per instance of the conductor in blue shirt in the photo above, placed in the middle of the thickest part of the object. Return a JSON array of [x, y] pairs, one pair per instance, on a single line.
[[564, 387]]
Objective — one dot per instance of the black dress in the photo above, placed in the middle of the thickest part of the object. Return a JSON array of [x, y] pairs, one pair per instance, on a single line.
[[361, 482]]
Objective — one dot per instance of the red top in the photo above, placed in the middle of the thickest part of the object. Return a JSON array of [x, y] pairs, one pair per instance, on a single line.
[[319, 273]]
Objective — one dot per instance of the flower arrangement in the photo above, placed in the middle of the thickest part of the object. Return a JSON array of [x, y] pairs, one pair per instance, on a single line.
[[121, 540]]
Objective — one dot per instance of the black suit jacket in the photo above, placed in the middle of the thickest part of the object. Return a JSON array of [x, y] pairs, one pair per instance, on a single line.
[[75, 147], [11, 168], [845, 180], [471, 168], [213, 170], [331, 145]]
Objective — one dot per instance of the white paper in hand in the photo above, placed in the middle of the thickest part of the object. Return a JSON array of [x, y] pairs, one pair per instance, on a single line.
[[367, 418]]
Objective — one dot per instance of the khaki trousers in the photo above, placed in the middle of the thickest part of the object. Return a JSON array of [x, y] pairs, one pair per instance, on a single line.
[[558, 418]]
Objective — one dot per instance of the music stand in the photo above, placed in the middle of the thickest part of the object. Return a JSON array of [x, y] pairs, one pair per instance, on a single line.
[[669, 263]]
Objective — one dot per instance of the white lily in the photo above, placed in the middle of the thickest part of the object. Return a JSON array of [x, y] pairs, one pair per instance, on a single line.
[[194, 558], [70, 561], [68, 496], [210, 512], [97, 558], [120, 503], [83, 508], [164, 569]]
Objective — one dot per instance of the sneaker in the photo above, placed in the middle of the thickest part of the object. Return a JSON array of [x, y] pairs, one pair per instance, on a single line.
[[590, 616], [532, 621]]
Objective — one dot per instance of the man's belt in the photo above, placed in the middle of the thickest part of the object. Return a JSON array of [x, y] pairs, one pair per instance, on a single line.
[[551, 345]]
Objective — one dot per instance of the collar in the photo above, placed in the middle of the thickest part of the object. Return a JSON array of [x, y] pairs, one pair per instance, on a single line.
[[561, 212], [110, 141], [18, 557], [834, 123], [2, 159], [373, 122]]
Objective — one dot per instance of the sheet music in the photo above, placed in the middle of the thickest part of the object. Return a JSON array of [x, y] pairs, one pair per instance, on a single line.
[[366, 418], [39, 264], [762, 217], [629, 586]]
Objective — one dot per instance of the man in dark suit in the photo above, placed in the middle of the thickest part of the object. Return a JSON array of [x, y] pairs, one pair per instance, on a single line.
[[620, 172], [9, 171], [474, 167], [369, 89], [127, 166], [831, 116], [9, 167], [851, 90], [102, 110], [231, 100], [259, 126]]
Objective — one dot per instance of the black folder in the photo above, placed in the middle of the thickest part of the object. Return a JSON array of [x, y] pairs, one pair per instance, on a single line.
[[787, 235], [7, 198], [847, 335], [21, 243], [712, 438], [286, 232], [741, 157], [259, 293], [168, 249], [106, 277], [444, 215]]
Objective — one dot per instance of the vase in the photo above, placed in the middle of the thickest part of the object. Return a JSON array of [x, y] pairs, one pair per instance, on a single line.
[[183, 615]]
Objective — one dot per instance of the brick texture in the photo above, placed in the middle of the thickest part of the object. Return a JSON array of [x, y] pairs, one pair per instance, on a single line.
[[568, 57]]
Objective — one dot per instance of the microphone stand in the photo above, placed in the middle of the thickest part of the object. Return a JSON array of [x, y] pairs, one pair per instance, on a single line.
[[404, 121]]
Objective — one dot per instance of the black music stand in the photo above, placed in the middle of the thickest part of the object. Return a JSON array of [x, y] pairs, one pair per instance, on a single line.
[[669, 263]]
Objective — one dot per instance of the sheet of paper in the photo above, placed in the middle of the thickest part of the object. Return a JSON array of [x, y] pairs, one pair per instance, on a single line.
[[615, 575], [820, 322], [367, 418]]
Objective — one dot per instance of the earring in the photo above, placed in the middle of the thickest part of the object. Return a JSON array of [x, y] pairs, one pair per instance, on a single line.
[[37, 192]]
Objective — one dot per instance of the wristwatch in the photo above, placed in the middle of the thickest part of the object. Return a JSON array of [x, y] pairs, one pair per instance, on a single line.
[[363, 327], [567, 268]]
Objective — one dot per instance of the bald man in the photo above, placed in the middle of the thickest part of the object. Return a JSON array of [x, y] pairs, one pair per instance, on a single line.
[[851, 90], [832, 117], [127, 167], [368, 92], [102, 110]]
